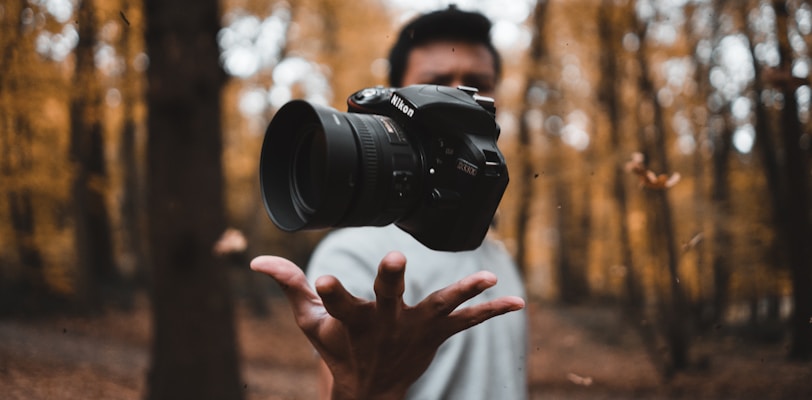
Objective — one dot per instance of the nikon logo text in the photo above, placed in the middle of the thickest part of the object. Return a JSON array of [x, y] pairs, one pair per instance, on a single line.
[[401, 105]]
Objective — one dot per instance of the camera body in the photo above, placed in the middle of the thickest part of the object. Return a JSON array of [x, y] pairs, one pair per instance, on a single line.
[[422, 156]]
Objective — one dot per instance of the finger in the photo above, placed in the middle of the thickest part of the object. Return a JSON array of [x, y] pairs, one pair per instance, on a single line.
[[389, 285], [293, 282], [470, 316], [447, 299], [389, 288], [338, 301]]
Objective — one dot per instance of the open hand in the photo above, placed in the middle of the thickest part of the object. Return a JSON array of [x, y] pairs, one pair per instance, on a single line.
[[377, 349]]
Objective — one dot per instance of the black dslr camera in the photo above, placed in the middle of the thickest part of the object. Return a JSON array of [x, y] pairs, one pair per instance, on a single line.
[[423, 157]]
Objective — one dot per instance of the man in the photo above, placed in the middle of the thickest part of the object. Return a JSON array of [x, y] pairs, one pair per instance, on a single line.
[[380, 349]]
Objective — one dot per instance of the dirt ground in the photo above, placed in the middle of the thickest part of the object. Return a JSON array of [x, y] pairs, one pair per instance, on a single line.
[[575, 353]]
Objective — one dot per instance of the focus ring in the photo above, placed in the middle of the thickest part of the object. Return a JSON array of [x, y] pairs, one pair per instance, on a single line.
[[369, 154]]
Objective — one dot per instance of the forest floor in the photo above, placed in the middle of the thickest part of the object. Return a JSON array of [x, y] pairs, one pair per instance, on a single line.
[[582, 352]]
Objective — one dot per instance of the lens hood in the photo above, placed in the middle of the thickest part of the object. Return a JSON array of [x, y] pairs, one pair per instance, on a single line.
[[307, 177]]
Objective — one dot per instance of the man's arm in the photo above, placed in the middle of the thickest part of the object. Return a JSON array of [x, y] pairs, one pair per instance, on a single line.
[[377, 349]]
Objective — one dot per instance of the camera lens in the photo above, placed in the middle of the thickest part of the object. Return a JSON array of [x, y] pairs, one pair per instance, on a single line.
[[323, 168], [309, 169]]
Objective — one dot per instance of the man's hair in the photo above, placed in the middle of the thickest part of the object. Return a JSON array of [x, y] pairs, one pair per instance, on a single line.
[[447, 24]]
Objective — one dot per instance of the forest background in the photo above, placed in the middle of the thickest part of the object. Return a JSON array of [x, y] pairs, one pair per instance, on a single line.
[[659, 154]]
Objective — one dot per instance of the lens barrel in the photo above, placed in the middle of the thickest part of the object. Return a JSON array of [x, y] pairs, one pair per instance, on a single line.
[[323, 168]]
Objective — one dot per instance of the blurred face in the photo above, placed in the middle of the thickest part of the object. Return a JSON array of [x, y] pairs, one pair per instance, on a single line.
[[452, 63]]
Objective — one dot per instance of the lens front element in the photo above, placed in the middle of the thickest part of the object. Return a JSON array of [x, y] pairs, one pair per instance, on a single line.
[[309, 169], [322, 168]]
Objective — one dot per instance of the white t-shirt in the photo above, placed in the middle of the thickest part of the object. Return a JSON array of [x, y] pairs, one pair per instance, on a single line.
[[485, 362]]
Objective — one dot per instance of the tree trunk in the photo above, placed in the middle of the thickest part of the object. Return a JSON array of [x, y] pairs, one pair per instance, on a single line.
[[94, 247], [572, 240], [659, 218], [634, 309], [796, 200], [711, 302], [538, 53], [766, 146], [722, 237], [132, 199], [16, 143], [193, 350], [526, 193], [34, 291]]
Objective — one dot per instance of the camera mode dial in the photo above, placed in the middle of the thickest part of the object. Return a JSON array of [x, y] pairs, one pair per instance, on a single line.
[[371, 96]]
